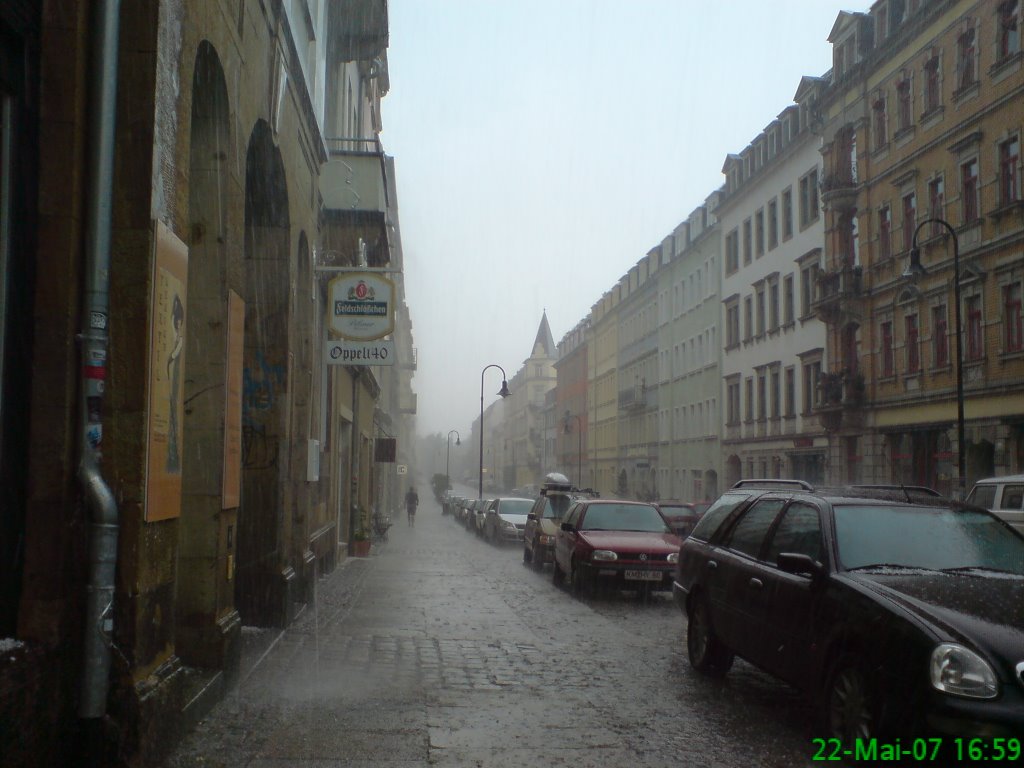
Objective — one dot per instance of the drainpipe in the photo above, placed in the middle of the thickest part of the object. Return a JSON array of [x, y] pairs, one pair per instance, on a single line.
[[93, 338]]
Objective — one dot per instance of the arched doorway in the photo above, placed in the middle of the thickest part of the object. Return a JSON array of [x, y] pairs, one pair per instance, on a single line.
[[261, 589], [205, 611]]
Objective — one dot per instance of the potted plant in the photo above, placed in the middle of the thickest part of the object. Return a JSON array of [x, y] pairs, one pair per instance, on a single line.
[[360, 542]]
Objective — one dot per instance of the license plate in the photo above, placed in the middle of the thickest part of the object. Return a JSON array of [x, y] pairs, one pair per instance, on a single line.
[[643, 575]]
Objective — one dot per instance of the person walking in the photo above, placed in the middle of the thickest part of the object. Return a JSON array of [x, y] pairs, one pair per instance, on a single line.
[[412, 501]]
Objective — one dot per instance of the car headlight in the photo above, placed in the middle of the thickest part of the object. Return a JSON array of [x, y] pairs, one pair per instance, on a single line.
[[603, 555], [673, 557], [960, 671], [507, 524]]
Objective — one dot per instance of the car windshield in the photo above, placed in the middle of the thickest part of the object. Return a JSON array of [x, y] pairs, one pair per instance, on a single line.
[[934, 538], [623, 517], [716, 513], [983, 496], [515, 506]]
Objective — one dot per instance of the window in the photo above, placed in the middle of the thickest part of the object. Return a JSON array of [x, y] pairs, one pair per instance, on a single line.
[[974, 332], [808, 278], [760, 311], [787, 213], [799, 531], [733, 404], [747, 244], [903, 103], [748, 318], [732, 252], [909, 219], [762, 404], [776, 394], [940, 336], [732, 325], [1009, 40], [886, 352], [773, 224], [812, 392], [773, 305], [748, 534], [809, 198], [965, 63], [1009, 161], [884, 233], [790, 391], [750, 398], [787, 299], [913, 344], [759, 232], [878, 121], [936, 203], [932, 93], [969, 190], [1012, 339]]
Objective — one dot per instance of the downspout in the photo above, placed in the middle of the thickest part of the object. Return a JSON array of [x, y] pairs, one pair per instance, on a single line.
[[95, 320]]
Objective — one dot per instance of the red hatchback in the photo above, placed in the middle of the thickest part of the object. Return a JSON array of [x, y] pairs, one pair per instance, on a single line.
[[627, 544]]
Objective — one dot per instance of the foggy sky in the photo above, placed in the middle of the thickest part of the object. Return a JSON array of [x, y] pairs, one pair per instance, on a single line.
[[542, 147]]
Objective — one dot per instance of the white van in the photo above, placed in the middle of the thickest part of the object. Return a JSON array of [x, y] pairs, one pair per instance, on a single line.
[[1003, 496]]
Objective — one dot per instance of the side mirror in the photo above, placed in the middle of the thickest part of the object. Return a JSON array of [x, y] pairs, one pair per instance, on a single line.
[[568, 527], [531, 516], [794, 563]]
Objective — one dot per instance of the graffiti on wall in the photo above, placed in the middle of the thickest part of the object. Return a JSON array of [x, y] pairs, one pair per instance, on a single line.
[[263, 383]]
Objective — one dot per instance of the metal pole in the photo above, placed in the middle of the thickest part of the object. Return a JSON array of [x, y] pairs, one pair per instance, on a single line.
[[504, 393]]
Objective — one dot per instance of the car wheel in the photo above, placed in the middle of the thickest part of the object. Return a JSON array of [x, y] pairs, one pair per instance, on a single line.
[[850, 706], [556, 574], [706, 652]]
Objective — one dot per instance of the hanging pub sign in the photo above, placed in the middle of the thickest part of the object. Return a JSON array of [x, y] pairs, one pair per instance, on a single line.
[[361, 306]]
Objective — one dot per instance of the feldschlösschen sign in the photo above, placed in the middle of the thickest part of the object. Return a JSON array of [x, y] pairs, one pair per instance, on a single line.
[[362, 306]]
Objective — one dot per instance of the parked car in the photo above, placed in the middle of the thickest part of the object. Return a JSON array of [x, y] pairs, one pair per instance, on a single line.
[[556, 494], [895, 611], [681, 516], [627, 544], [463, 511], [1003, 496], [477, 515], [506, 519]]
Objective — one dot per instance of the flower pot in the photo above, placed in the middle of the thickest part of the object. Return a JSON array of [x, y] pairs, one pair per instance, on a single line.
[[361, 548]]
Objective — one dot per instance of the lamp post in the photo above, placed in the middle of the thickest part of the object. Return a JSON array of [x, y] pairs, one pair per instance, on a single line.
[[915, 269], [504, 393], [448, 456], [579, 445]]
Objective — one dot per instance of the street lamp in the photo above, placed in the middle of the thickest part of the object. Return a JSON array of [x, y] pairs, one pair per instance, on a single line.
[[504, 393], [579, 445], [915, 269], [448, 456]]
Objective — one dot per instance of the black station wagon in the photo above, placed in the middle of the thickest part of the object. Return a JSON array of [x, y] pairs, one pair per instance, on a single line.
[[896, 612]]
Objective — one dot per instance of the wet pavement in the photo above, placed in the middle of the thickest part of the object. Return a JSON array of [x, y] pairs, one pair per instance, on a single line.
[[443, 650]]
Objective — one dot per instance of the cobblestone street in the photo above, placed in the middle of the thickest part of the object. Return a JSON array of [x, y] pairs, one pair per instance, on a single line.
[[440, 649]]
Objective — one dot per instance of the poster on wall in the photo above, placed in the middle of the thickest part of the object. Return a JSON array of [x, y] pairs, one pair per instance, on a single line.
[[165, 404], [231, 490]]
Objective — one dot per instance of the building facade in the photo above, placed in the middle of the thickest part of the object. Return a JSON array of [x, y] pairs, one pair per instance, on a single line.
[[922, 146], [773, 345], [167, 406], [689, 358]]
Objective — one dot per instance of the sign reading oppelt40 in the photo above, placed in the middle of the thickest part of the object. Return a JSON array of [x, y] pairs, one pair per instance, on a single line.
[[361, 306]]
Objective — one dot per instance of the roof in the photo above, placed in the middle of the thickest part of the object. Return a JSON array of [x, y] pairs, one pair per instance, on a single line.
[[544, 339], [1003, 479]]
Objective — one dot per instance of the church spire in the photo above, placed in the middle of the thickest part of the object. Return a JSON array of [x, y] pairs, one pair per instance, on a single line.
[[544, 344]]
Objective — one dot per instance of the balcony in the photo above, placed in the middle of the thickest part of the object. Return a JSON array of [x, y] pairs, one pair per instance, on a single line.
[[842, 401], [839, 191], [354, 177], [836, 289], [407, 404], [635, 398], [358, 29], [410, 362]]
